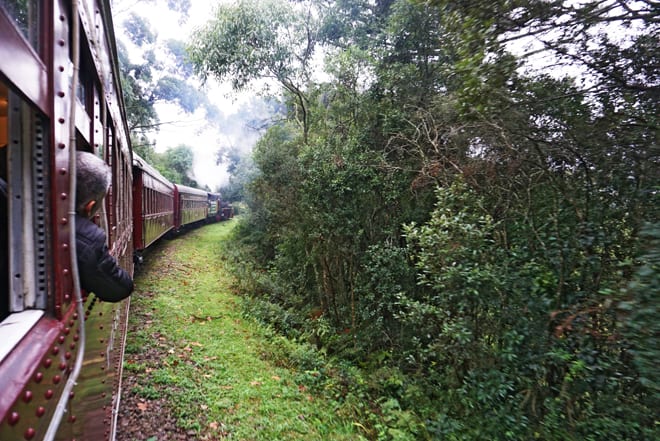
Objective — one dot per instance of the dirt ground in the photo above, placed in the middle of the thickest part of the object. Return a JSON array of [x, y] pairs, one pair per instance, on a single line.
[[146, 420]]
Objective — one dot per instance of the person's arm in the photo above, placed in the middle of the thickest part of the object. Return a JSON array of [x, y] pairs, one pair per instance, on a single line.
[[109, 282], [99, 271]]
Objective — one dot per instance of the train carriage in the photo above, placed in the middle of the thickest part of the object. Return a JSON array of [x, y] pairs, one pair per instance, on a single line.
[[153, 204], [59, 92], [215, 210], [226, 211], [191, 206]]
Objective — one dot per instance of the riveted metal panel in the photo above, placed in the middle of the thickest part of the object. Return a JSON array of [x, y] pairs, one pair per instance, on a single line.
[[61, 72], [15, 203], [33, 374]]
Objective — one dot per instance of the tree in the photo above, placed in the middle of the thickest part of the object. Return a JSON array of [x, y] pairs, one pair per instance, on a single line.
[[140, 111], [468, 226], [177, 90], [180, 57], [163, 74], [138, 31], [259, 40], [178, 162]]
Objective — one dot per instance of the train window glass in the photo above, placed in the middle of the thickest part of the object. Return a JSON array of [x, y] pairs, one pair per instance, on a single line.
[[24, 173], [84, 85], [120, 190], [26, 16], [109, 137], [108, 153]]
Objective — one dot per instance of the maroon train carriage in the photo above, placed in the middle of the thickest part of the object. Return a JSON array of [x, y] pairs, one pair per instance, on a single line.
[[59, 374], [191, 206], [153, 204]]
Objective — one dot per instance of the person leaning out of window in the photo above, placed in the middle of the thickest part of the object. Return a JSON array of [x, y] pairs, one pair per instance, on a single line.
[[99, 271]]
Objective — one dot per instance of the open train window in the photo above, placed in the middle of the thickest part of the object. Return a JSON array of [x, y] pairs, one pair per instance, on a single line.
[[26, 17], [23, 206]]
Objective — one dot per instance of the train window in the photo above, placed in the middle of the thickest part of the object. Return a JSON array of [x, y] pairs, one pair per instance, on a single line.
[[84, 83], [26, 15], [24, 172]]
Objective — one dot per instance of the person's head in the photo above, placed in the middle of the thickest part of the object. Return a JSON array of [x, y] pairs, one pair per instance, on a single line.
[[93, 181]]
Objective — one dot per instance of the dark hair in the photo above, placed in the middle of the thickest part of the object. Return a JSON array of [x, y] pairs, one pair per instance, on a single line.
[[93, 179]]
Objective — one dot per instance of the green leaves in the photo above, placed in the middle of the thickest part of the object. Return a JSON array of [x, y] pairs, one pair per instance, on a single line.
[[139, 31], [640, 307], [178, 162], [253, 40], [260, 41], [475, 221]]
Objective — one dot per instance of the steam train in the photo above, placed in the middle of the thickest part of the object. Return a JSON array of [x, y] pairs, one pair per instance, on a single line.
[[161, 207], [61, 349]]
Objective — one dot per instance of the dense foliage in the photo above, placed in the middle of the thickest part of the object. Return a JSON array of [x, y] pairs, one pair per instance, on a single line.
[[467, 208]]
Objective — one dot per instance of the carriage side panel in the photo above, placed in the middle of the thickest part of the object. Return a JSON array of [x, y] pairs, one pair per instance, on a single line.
[[192, 205], [154, 200]]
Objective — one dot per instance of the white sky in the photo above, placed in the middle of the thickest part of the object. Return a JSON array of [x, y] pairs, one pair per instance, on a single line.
[[176, 126]]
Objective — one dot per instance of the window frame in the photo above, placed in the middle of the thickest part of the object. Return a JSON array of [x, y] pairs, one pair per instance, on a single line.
[[27, 204]]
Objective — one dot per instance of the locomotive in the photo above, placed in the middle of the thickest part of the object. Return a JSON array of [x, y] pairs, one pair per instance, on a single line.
[[61, 349]]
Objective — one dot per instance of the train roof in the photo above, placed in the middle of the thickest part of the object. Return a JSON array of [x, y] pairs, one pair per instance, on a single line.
[[140, 163], [190, 190]]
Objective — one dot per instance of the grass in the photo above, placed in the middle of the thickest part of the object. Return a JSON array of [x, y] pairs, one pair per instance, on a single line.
[[216, 368]]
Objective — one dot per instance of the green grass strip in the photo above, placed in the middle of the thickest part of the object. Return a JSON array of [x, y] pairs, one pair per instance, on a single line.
[[212, 363]]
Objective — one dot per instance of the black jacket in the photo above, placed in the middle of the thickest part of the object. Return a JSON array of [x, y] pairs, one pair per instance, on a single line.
[[99, 271]]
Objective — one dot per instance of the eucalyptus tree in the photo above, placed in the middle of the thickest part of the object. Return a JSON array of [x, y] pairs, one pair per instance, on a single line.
[[159, 72], [260, 40], [176, 164], [137, 76]]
